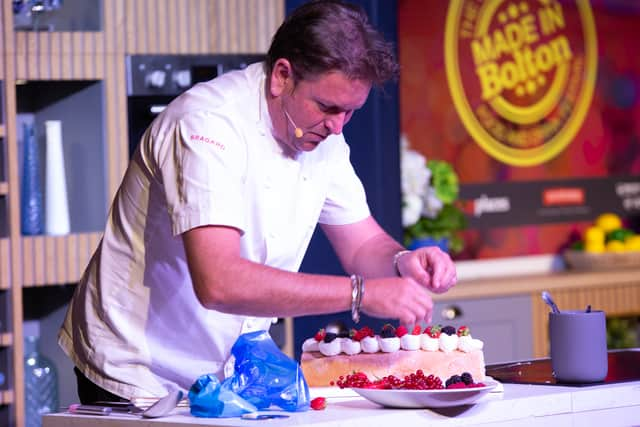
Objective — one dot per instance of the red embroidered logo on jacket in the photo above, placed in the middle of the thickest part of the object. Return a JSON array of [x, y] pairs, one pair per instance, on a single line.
[[208, 141]]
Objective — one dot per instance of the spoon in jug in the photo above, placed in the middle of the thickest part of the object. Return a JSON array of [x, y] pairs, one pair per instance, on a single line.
[[546, 296]]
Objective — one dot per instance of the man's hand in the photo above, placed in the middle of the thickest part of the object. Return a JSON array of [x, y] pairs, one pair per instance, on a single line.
[[430, 267], [397, 298]]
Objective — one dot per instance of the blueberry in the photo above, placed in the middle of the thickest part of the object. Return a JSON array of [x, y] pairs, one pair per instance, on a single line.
[[449, 330], [330, 336]]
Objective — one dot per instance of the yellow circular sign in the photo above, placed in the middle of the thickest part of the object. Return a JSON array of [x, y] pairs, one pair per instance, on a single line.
[[521, 74]]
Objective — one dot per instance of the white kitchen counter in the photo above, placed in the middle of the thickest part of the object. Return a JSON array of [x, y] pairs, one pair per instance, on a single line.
[[532, 405]]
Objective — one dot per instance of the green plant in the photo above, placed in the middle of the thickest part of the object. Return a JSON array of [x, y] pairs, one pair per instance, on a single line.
[[429, 194]]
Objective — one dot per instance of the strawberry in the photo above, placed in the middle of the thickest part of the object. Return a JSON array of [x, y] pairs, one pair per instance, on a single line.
[[463, 331], [401, 330], [364, 332], [433, 331], [416, 330], [320, 335], [319, 403]]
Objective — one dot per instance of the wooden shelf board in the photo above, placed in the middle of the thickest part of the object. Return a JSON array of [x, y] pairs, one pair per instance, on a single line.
[[56, 260], [6, 339], [6, 397]]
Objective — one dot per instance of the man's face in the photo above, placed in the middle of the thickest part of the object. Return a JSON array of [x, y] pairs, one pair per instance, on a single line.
[[318, 107]]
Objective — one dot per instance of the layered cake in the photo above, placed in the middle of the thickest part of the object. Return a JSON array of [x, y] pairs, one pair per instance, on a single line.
[[439, 351]]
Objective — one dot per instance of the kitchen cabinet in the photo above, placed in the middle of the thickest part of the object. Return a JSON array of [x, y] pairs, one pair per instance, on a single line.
[[503, 324]]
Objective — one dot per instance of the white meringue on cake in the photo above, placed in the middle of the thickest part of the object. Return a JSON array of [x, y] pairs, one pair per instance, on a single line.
[[428, 343], [410, 342], [350, 346], [370, 345], [468, 344], [389, 345], [448, 343], [332, 348], [310, 344]]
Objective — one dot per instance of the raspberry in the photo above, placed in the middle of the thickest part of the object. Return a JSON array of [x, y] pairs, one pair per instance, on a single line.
[[433, 331], [463, 331], [320, 335], [388, 331], [449, 330], [364, 332], [416, 330], [401, 330], [319, 403], [457, 385]]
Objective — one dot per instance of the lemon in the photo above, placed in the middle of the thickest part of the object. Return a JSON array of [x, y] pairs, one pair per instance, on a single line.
[[608, 221], [595, 235], [594, 247], [615, 246], [632, 243]]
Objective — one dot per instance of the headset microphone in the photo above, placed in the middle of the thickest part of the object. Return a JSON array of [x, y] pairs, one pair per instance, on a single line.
[[298, 132]]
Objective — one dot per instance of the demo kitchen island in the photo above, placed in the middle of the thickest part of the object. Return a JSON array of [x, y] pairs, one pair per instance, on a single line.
[[616, 404]]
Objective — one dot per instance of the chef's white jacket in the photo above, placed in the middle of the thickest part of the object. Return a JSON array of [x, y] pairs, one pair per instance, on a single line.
[[134, 325]]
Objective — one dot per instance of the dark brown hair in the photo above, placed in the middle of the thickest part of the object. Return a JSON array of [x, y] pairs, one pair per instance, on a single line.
[[332, 35]]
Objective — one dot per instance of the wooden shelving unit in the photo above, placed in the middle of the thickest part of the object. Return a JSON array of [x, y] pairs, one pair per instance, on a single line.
[[128, 27], [6, 397]]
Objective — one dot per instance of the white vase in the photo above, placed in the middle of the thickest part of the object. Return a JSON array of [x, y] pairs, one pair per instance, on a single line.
[[56, 201]]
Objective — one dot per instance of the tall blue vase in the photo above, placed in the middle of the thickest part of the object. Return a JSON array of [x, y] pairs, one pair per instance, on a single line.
[[32, 213]]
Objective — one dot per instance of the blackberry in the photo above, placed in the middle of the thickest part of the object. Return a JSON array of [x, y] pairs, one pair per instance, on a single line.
[[330, 336], [449, 330], [466, 378], [388, 331], [454, 379]]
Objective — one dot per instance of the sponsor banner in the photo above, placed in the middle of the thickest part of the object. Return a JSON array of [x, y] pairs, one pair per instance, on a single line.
[[545, 202], [536, 105], [521, 74]]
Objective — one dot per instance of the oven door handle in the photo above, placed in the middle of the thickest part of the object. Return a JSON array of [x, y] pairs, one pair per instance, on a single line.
[[156, 109]]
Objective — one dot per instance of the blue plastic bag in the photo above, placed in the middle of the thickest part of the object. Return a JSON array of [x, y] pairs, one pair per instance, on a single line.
[[263, 377], [208, 398]]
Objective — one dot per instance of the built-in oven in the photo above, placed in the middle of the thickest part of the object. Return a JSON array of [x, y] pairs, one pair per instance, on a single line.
[[154, 80]]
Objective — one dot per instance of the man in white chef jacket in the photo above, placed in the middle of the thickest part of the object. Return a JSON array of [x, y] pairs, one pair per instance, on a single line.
[[215, 212]]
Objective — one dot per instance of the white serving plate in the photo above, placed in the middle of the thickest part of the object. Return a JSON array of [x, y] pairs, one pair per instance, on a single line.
[[427, 398]]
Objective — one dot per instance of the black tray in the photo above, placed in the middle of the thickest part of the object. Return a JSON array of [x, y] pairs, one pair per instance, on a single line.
[[624, 365]]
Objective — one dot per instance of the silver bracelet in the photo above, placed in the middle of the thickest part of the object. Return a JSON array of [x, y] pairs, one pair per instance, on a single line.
[[357, 292], [396, 258]]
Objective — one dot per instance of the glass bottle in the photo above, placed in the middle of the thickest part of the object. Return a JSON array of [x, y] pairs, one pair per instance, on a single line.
[[40, 383]]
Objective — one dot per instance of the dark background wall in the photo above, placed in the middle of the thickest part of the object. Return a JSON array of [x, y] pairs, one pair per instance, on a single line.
[[373, 135]]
